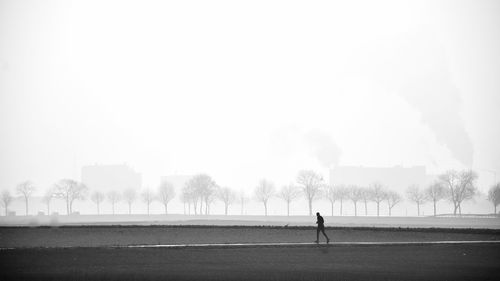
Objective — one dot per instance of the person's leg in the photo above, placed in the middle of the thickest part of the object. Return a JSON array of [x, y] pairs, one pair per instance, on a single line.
[[327, 239], [317, 235]]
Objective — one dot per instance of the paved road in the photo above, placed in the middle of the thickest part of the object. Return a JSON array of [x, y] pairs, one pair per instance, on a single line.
[[479, 261]]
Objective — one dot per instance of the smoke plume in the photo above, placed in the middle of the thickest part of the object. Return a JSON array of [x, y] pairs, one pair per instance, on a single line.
[[323, 148], [419, 73]]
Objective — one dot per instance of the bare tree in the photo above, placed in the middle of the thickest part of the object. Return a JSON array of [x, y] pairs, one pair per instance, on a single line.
[[377, 194], [201, 188], [242, 199], [227, 196], [97, 197], [113, 198], [70, 191], [189, 195], [414, 194], [393, 198], [6, 200], [341, 193], [47, 198], [288, 193], [355, 194], [460, 186], [494, 196], [366, 197], [209, 198], [311, 183], [186, 198], [166, 192], [148, 198], [25, 189], [436, 192], [330, 195], [184, 201], [209, 195], [129, 196], [264, 190]]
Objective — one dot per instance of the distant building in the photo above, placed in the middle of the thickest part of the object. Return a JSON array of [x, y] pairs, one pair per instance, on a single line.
[[111, 177], [396, 178], [178, 181]]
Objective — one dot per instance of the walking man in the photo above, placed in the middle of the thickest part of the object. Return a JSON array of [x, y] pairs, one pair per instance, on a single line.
[[321, 227]]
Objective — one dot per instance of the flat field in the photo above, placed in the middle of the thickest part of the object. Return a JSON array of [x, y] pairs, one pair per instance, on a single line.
[[86, 253], [466, 221], [98, 236]]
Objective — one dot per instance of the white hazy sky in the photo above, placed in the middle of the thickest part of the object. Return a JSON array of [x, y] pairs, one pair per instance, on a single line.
[[247, 89]]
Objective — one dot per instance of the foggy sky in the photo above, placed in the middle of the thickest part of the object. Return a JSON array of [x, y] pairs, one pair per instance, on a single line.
[[246, 90]]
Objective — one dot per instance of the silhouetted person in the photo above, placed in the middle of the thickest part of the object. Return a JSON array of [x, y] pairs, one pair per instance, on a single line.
[[321, 227]]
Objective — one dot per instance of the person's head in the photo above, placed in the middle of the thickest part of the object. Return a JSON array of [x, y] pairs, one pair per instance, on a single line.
[[317, 214]]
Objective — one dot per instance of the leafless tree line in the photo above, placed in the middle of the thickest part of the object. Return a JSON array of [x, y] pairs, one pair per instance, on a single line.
[[71, 191], [201, 191], [456, 186], [164, 194]]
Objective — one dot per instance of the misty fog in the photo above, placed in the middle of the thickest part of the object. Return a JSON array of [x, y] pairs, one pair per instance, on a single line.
[[247, 91]]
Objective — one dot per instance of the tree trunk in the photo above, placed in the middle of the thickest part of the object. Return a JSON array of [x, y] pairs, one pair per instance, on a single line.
[[166, 208], [265, 208], [460, 209], [418, 210], [48, 209], [332, 207], [67, 205], [113, 208], [310, 207], [341, 206], [129, 208], [390, 211], [225, 209], [495, 209], [287, 209], [148, 208], [355, 209], [434, 202], [378, 209], [26, 199], [366, 208], [455, 209], [97, 208]]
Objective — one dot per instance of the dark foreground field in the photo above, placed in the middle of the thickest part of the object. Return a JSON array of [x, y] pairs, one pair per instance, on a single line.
[[103, 253], [402, 262]]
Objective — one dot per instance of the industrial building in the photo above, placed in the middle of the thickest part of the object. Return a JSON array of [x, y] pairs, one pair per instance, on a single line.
[[397, 178]]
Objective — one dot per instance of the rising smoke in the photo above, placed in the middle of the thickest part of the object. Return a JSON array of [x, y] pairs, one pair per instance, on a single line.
[[419, 73], [300, 145], [323, 148]]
